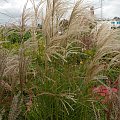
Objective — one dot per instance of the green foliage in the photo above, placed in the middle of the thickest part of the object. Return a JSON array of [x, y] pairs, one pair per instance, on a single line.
[[26, 36], [14, 37], [61, 93], [113, 73]]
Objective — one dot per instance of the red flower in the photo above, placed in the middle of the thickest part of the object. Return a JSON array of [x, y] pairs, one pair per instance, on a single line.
[[115, 90], [104, 92]]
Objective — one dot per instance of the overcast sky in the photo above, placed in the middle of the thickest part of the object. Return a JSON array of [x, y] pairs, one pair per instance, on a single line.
[[13, 8]]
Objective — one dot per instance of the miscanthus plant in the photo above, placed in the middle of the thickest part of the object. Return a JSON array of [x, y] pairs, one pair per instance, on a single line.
[[51, 75]]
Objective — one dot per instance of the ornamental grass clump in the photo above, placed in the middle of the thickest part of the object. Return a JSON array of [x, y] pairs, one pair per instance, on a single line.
[[56, 73]]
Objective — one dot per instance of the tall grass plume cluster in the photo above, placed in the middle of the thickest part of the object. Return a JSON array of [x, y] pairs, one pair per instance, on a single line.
[[58, 64]]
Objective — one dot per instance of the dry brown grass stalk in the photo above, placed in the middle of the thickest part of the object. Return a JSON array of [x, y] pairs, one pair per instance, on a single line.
[[106, 43]]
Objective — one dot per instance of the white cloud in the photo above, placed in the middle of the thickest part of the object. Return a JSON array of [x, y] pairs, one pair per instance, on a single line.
[[11, 10], [111, 8], [14, 8]]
